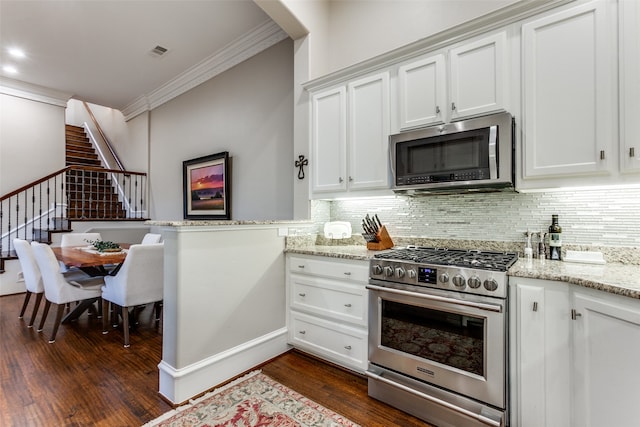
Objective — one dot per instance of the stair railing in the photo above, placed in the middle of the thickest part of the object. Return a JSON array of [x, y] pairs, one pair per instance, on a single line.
[[113, 153], [48, 204]]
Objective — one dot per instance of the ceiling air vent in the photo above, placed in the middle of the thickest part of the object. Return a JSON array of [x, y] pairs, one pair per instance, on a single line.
[[158, 51]]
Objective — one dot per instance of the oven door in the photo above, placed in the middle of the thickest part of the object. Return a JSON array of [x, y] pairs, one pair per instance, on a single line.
[[451, 340]]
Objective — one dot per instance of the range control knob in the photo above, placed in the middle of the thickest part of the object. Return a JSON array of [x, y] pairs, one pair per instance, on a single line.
[[400, 272], [474, 282], [458, 281], [377, 269], [388, 271], [411, 273], [490, 285], [444, 277]]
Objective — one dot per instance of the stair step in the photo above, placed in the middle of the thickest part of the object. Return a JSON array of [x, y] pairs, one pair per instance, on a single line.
[[81, 148]]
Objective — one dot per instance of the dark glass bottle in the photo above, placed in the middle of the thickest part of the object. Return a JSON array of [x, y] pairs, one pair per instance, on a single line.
[[555, 239]]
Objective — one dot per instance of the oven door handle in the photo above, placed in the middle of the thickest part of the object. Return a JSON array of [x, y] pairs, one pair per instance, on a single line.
[[478, 305], [433, 399]]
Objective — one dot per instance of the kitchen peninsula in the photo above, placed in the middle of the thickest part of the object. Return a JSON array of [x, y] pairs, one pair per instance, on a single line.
[[224, 300]]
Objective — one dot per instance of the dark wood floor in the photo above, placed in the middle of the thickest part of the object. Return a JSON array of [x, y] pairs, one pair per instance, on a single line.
[[89, 379]]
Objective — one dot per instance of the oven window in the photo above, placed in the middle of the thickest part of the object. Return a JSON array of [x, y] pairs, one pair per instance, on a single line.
[[452, 339]]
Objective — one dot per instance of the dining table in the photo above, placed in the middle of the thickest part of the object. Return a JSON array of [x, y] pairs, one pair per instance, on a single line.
[[94, 263]]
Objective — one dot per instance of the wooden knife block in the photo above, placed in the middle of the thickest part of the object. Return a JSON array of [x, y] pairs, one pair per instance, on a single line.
[[383, 241]]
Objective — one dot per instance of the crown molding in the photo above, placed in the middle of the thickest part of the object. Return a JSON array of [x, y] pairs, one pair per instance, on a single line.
[[260, 38], [33, 92]]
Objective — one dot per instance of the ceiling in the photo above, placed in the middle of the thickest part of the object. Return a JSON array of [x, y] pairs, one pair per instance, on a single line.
[[99, 50]]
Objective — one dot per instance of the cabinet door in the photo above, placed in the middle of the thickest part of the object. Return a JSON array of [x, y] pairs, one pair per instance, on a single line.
[[607, 348], [478, 77], [568, 90], [630, 85], [369, 132], [543, 354], [328, 141], [422, 92]]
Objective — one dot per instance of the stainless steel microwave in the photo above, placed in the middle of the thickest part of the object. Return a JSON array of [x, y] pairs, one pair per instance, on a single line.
[[472, 154]]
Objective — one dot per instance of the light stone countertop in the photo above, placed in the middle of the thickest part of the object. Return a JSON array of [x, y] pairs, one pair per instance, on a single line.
[[618, 279], [208, 223]]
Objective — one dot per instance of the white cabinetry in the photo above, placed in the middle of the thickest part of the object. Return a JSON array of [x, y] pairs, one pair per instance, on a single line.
[[349, 136], [477, 83], [569, 102], [629, 12], [541, 353], [574, 355], [327, 308], [606, 349]]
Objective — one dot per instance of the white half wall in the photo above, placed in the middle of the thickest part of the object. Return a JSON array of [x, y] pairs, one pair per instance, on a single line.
[[247, 111]]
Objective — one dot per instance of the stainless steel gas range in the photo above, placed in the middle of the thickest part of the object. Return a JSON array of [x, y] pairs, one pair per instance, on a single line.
[[438, 334]]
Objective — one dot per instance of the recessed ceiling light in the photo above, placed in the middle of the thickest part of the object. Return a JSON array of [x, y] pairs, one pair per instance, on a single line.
[[10, 69], [16, 53]]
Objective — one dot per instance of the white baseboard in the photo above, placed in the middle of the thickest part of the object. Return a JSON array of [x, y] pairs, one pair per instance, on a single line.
[[180, 385]]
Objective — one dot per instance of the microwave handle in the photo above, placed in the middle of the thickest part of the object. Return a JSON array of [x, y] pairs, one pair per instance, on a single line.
[[493, 160]]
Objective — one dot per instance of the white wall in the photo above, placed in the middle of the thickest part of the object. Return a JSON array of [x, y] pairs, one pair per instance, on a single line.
[[31, 141], [248, 111]]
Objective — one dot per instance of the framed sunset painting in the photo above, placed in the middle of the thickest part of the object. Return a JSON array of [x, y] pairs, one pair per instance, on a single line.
[[206, 187]]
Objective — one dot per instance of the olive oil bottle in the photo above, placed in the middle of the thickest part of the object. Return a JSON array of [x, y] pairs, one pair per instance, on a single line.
[[555, 239]]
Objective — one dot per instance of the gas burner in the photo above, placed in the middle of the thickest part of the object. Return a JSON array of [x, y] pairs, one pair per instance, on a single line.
[[494, 261]]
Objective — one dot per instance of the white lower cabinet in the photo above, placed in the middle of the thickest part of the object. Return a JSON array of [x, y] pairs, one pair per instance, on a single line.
[[574, 353], [327, 308]]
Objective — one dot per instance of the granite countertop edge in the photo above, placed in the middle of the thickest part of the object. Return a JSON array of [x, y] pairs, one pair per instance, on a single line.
[[208, 223], [619, 279]]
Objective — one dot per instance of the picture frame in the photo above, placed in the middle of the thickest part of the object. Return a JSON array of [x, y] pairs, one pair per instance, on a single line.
[[206, 182]]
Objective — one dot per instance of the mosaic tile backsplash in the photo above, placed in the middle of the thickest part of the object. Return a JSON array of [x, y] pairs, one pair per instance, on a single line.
[[608, 217]]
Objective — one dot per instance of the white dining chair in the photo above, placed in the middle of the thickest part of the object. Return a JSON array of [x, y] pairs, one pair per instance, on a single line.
[[139, 281], [58, 290], [150, 238], [32, 277]]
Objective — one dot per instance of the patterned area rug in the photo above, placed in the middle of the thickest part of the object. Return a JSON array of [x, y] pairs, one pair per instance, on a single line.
[[254, 400]]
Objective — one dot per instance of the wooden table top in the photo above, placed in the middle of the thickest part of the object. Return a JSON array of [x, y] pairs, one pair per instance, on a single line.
[[79, 256]]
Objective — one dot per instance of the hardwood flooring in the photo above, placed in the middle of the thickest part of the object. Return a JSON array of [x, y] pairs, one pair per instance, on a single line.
[[89, 379]]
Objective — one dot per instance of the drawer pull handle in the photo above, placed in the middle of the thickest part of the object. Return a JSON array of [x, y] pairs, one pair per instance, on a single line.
[[535, 306], [302, 294], [301, 266], [347, 305], [302, 332], [347, 347], [347, 273]]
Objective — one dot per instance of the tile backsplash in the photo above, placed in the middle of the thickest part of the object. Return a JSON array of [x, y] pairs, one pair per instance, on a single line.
[[608, 217]]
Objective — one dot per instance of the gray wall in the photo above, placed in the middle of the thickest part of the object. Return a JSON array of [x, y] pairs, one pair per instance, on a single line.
[[247, 111]]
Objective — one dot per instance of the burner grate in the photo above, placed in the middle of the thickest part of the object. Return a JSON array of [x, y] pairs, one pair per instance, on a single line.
[[495, 261]]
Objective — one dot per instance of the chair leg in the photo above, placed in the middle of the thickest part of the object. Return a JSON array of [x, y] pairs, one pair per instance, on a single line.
[[56, 324], [105, 316], [125, 325], [35, 309], [47, 305], [158, 311], [27, 297]]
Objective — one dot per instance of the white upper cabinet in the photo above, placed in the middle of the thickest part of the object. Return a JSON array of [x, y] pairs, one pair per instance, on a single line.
[[629, 13], [350, 132], [569, 102], [477, 83], [422, 92], [479, 76]]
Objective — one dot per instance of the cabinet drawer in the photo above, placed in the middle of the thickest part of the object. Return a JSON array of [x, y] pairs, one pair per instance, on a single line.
[[335, 268], [332, 299], [338, 343]]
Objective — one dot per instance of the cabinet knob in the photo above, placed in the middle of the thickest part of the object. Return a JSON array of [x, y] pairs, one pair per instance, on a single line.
[[575, 314], [347, 347], [347, 273], [301, 266], [632, 152], [347, 305], [453, 106], [340, 180], [350, 179], [535, 306], [602, 156], [302, 332], [302, 294], [437, 109]]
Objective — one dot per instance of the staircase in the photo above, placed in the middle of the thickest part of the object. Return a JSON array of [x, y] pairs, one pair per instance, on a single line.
[[91, 194]]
